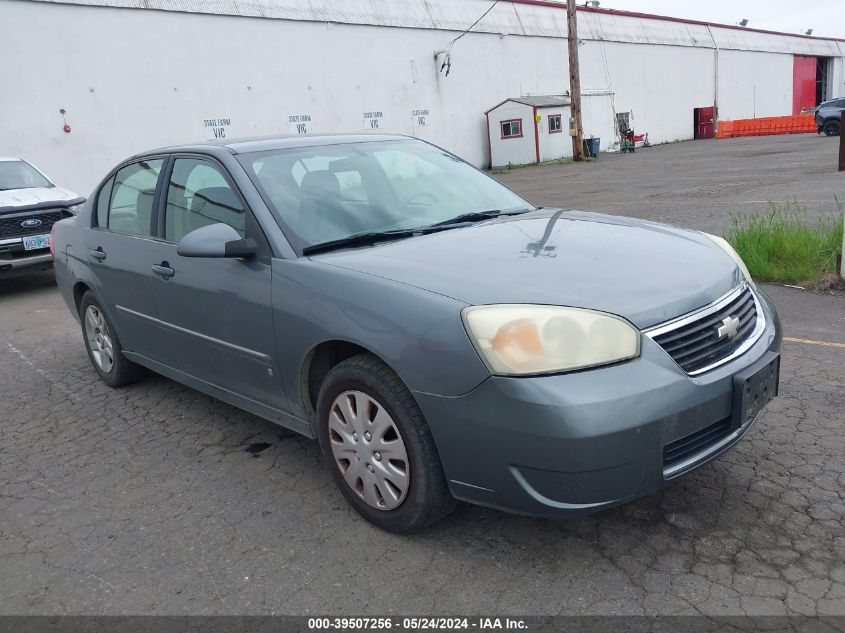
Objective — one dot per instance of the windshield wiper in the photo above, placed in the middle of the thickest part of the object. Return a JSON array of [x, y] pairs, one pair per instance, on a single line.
[[373, 237], [477, 216], [363, 239]]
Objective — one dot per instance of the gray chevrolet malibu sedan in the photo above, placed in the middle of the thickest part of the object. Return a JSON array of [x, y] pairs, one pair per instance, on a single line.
[[443, 338]]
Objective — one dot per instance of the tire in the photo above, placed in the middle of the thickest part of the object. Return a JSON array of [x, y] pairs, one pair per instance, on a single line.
[[371, 482], [103, 346], [831, 128]]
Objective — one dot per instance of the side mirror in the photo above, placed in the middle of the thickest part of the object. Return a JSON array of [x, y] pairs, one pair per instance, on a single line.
[[216, 240]]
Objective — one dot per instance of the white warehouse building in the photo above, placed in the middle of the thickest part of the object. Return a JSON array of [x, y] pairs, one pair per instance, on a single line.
[[90, 82]]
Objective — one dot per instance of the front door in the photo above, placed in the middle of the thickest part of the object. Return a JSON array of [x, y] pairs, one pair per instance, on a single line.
[[216, 313], [118, 251]]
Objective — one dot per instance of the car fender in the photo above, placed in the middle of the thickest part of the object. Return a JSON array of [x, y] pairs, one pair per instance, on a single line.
[[418, 333]]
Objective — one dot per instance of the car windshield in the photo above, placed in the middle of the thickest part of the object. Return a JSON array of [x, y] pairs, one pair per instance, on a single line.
[[18, 174], [331, 192]]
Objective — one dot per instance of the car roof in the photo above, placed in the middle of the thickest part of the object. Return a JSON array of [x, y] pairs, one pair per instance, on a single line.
[[9, 159], [265, 143]]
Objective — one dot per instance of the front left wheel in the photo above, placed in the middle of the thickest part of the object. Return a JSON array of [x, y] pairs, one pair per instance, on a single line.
[[379, 448], [103, 346], [831, 128]]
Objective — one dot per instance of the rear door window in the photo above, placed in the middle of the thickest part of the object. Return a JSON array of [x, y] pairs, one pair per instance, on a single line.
[[130, 210], [103, 200]]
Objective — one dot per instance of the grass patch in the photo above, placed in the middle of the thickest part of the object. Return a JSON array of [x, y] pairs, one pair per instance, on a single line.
[[786, 245]]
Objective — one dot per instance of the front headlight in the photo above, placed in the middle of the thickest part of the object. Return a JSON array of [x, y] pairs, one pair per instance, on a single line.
[[74, 208], [730, 252], [516, 339]]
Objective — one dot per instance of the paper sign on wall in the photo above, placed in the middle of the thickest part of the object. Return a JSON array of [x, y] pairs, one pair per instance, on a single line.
[[421, 117], [220, 128], [373, 120], [300, 124]]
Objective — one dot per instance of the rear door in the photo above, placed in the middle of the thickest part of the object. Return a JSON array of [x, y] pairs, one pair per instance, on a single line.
[[216, 314], [118, 250]]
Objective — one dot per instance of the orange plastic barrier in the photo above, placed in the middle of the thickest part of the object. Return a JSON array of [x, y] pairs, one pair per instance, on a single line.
[[765, 126]]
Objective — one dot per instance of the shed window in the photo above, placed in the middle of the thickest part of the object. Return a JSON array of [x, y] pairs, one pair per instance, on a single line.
[[554, 123], [512, 128]]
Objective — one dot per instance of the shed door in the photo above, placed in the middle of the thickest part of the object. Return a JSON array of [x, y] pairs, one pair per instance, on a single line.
[[803, 83], [703, 121]]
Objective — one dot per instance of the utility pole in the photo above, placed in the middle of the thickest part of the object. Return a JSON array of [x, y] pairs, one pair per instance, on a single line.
[[842, 143], [575, 129], [842, 168]]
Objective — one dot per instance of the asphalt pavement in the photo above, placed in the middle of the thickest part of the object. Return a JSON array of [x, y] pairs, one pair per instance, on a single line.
[[155, 499]]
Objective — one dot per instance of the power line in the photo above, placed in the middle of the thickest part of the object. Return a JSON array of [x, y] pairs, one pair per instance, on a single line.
[[447, 61], [472, 26]]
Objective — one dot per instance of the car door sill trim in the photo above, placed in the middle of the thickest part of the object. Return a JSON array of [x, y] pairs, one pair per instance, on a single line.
[[266, 411], [259, 356]]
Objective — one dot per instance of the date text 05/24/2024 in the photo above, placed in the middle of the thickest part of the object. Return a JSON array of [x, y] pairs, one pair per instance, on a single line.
[[417, 623]]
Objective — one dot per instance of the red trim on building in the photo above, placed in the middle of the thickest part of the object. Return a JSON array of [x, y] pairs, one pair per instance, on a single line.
[[502, 132], [501, 103], [523, 101], [559, 118], [536, 135], [652, 16]]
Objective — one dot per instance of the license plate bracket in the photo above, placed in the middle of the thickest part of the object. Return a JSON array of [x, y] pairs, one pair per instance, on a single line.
[[754, 388]]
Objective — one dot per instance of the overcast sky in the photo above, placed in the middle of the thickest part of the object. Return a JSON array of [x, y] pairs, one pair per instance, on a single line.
[[825, 17]]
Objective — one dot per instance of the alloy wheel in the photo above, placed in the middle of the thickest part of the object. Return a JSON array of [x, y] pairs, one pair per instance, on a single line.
[[99, 339], [369, 450]]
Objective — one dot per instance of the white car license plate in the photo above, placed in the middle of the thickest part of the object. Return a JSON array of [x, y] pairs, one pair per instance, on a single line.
[[34, 242]]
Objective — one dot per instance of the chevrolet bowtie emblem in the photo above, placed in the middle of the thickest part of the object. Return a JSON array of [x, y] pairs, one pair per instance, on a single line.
[[729, 327]]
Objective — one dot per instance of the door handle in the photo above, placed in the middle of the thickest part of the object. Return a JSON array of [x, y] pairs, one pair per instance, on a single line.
[[163, 270], [98, 253]]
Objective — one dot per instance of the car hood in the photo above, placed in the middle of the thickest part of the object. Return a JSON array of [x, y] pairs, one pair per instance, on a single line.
[[643, 271], [15, 199]]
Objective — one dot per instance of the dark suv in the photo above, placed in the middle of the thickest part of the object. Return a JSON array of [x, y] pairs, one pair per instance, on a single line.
[[829, 115]]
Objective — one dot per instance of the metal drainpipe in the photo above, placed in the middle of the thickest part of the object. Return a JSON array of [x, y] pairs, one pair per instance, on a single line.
[[715, 82], [841, 69]]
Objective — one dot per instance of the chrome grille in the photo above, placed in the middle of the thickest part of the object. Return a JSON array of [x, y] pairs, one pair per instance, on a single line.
[[705, 338]]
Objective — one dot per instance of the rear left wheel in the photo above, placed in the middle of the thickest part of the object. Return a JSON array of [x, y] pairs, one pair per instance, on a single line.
[[379, 447], [103, 346]]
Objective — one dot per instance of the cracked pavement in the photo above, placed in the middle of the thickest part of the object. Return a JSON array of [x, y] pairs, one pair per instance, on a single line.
[[155, 499]]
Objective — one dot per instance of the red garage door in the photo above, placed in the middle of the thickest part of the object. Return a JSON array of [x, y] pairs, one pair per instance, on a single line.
[[803, 83]]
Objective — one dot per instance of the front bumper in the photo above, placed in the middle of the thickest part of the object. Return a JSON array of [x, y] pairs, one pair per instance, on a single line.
[[40, 261], [577, 443]]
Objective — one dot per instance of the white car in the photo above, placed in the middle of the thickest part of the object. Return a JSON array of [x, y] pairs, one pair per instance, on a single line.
[[30, 203]]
